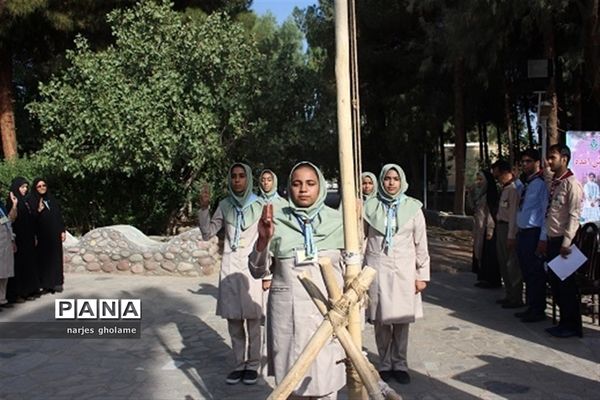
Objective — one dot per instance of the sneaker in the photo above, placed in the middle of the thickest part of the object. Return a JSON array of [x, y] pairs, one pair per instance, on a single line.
[[234, 377], [386, 376], [250, 377], [402, 377]]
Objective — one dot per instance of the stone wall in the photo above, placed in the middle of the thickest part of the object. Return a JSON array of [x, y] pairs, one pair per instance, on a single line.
[[124, 249]]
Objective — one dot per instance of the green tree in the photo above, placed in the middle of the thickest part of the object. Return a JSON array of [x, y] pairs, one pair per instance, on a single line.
[[161, 109]]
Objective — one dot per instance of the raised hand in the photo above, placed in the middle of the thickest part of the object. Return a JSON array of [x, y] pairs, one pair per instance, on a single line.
[[266, 228], [13, 198], [204, 197]]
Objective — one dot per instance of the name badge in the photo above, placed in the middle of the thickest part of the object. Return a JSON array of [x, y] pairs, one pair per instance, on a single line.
[[300, 257], [4, 220]]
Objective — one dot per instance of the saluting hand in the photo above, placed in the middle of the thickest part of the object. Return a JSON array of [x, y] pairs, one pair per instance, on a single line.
[[266, 228]]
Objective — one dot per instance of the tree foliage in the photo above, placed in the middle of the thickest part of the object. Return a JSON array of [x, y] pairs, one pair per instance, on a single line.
[[165, 104]]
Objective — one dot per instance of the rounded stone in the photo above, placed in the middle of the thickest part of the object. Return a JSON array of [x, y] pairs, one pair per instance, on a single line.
[[184, 255], [204, 245], [80, 268], [137, 268], [103, 257], [158, 257], [136, 258], [125, 254], [115, 257], [184, 266], [95, 234], [82, 251], [76, 260], [89, 257], [108, 267], [169, 256], [168, 265], [93, 266], [147, 256], [151, 265], [199, 253], [206, 261], [114, 235], [122, 244], [123, 265]]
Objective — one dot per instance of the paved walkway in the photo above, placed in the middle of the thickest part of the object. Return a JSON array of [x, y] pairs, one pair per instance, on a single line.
[[466, 347]]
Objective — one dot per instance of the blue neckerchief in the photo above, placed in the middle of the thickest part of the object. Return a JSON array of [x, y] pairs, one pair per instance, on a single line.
[[239, 221], [390, 224], [310, 247]]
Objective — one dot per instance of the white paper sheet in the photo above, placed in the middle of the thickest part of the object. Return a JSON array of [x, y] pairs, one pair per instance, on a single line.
[[564, 267]]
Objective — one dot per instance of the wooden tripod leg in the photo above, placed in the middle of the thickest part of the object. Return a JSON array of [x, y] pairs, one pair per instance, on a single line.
[[367, 372], [321, 336]]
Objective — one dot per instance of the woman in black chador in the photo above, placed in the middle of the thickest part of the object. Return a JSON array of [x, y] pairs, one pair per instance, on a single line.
[[50, 233], [26, 283]]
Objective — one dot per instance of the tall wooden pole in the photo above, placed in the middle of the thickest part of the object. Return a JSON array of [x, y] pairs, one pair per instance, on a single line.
[[344, 119]]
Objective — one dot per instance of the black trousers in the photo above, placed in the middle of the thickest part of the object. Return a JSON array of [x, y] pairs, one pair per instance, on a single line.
[[565, 293], [532, 268]]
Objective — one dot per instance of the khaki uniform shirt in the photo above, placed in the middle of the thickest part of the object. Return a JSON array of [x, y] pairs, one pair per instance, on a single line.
[[508, 207], [564, 209]]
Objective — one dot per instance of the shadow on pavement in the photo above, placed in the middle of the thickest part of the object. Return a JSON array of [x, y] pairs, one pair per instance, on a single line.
[[500, 376], [478, 306]]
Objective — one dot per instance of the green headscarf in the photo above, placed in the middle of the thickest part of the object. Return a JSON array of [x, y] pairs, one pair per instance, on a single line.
[[324, 232], [243, 210], [374, 180], [386, 213], [272, 195]]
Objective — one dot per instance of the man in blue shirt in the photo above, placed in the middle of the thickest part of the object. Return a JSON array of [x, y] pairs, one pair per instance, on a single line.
[[530, 221]]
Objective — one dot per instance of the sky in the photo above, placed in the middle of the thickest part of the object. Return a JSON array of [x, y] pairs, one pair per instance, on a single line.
[[281, 9]]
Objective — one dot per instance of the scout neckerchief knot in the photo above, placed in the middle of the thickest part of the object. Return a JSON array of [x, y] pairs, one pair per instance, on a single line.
[[240, 210], [387, 213], [310, 248], [390, 223]]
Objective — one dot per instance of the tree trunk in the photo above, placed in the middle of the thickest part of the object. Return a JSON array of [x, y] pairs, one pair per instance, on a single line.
[[443, 172], [480, 138], [499, 136], [508, 123], [577, 102], [486, 148], [550, 52], [516, 130], [460, 136], [7, 115]]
